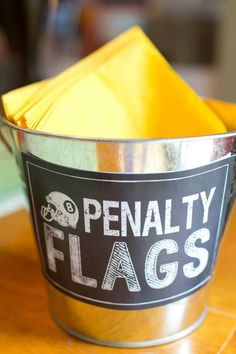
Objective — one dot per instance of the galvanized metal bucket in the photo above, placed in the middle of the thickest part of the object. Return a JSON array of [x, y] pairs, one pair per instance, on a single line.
[[111, 323]]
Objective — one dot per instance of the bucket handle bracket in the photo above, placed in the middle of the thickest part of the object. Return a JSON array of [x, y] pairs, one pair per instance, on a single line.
[[2, 136]]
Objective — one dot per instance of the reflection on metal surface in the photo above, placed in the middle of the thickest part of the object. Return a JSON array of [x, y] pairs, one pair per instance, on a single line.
[[132, 156], [186, 347], [127, 327]]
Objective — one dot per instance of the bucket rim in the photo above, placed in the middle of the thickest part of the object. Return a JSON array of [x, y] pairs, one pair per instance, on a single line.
[[10, 125]]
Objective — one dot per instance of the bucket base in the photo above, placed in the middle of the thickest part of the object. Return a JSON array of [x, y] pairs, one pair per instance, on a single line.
[[149, 343]]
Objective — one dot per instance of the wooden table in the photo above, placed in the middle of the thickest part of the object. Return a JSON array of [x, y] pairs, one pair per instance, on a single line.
[[25, 325]]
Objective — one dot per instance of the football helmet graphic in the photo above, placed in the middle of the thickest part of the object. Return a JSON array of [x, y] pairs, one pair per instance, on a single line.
[[61, 209]]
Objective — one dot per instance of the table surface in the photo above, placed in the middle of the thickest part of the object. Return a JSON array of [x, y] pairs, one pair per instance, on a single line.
[[25, 325]]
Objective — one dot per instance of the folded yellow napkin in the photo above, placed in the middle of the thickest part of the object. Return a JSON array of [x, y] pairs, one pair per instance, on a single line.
[[126, 89]]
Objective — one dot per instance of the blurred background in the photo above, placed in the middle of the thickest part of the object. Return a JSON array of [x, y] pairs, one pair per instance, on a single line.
[[39, 38]]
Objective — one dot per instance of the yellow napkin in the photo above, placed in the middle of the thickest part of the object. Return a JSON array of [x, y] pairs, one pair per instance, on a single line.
[[226, 112], [126, 89]]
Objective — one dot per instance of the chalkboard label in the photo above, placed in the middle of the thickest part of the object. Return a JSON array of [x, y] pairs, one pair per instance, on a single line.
[[128, 241]]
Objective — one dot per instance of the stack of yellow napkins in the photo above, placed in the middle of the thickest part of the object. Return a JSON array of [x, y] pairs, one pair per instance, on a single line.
[[126, 89]]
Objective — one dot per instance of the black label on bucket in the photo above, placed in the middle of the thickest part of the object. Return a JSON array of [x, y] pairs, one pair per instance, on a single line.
[[128, 241]]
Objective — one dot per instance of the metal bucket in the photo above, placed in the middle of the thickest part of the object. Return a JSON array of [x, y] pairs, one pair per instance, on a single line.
[[133, 273]]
